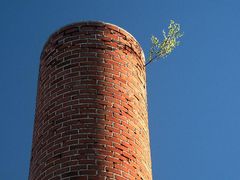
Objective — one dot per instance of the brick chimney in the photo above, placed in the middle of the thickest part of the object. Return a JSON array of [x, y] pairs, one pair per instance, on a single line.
[[91, 119]]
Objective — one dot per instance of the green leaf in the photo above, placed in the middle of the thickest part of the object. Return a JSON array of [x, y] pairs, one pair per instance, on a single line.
[[170, 41]]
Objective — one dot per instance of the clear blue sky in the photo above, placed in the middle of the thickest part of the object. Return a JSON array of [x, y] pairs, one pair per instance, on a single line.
[[193, 95]]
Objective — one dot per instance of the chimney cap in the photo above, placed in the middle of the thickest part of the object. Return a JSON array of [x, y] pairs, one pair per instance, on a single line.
[[90, 22]]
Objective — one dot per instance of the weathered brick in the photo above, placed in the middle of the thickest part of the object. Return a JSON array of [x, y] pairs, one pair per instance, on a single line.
[[91, 111]]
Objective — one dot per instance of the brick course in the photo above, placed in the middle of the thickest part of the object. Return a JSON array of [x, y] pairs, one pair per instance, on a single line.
[[91, 118]]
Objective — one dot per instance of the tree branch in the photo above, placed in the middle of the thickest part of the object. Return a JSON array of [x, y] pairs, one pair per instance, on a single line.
[[150, 61]]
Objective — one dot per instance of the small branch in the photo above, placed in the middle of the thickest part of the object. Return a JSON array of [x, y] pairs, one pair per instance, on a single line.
[[147, 63], [150, 61], [163, 49]]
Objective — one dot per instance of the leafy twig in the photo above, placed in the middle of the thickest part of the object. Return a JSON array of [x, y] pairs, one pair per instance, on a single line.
[[162, 49]]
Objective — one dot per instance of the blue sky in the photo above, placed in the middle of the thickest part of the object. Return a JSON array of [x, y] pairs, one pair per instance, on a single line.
[[193, 95]]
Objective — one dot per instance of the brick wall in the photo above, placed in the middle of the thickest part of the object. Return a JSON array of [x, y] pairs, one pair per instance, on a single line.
[[91, 118]]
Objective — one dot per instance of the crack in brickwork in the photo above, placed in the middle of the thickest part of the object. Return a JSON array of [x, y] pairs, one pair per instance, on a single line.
[[91, 118]]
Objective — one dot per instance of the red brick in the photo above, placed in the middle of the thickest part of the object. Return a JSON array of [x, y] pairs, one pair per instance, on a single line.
[[91, 111]]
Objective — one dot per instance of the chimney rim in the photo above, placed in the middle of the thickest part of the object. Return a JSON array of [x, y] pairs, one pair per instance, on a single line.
[[89, 22]]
